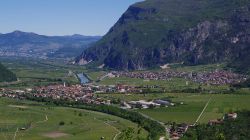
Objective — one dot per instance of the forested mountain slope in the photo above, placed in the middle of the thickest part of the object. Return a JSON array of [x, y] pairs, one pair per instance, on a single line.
[[155, 32], [6, 75]]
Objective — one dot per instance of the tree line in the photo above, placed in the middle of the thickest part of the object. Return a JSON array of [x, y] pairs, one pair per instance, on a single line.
[[154, 128], [230, 129]]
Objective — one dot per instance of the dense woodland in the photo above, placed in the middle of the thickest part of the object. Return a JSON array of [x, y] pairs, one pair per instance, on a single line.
[[245, 84], [230, 130], [6, 75]]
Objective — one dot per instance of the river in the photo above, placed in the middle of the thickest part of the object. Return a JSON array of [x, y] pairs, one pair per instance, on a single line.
[[83, 79]]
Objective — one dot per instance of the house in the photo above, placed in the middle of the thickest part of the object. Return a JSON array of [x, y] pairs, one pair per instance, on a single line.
[[231, 116], [175, 136], [143, 104], [28, 89], [23, 128], [215, 122], [162, 102]]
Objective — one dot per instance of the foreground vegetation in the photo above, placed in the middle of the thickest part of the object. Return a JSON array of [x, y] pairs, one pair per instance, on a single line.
[[6, 75], [37, 72], [231, 129], [192, 105], [189, 98], [154, 128], [31, 120]]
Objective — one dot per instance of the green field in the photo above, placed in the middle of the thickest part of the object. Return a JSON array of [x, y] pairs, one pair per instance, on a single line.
[[94, 75], [192, 107], [42, 122], [199, 68], [37, 72], [90, 125], [172, 85], [175, 83]]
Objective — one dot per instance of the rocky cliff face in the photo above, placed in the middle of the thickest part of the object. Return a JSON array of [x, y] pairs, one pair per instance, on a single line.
[[156, 32]]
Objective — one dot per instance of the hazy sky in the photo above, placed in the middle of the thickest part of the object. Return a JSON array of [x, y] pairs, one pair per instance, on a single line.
[[61, 17]]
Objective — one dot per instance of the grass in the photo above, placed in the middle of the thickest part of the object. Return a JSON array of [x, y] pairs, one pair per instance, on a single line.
[[198, 68], [95, 75], [31, 115], [175, 83], [192, 107], [171, 85], [37, 72]]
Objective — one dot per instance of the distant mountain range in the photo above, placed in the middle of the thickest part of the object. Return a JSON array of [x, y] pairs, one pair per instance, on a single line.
[[25, 44], [6, 75], [156, 32]]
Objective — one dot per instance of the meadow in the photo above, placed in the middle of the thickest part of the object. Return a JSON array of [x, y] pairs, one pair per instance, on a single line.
[[93, 125], [44, 122], [37, 72], [173, 84], [192, 105]]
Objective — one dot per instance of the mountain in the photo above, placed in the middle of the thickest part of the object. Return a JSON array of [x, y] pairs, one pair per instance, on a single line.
[[156, 32], [6, 75], [26, 44]]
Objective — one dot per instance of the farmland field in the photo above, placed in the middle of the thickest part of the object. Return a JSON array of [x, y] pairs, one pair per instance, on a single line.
[[36, 72], [192, 106], [168, 85], [43, 122]]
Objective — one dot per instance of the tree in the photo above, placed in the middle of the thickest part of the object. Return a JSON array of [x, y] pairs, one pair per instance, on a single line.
[[220, 136], [80, 114], [61, 123], [128, 134]]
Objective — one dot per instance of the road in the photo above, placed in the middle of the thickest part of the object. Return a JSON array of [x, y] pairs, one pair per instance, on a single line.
[[107, 123], [118, 131], [197, 120], [163, 137], [17, 130], [45, 120]]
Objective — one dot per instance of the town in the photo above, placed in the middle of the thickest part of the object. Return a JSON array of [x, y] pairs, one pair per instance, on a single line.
[[84, 94], [217, 77], [88, 93]]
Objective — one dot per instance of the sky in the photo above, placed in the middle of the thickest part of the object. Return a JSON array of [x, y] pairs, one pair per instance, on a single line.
[[61, 17]]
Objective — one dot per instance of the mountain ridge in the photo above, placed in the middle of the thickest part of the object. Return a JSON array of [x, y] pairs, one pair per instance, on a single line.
[[156, 32], [29, 44]]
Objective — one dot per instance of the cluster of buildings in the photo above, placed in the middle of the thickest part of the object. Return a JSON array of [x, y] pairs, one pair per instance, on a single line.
[[80, 93], [13, 93], [142, 104], [228, 116], [217, 77], [62, 92], [119, 88], [176, 132], [56, 92]]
